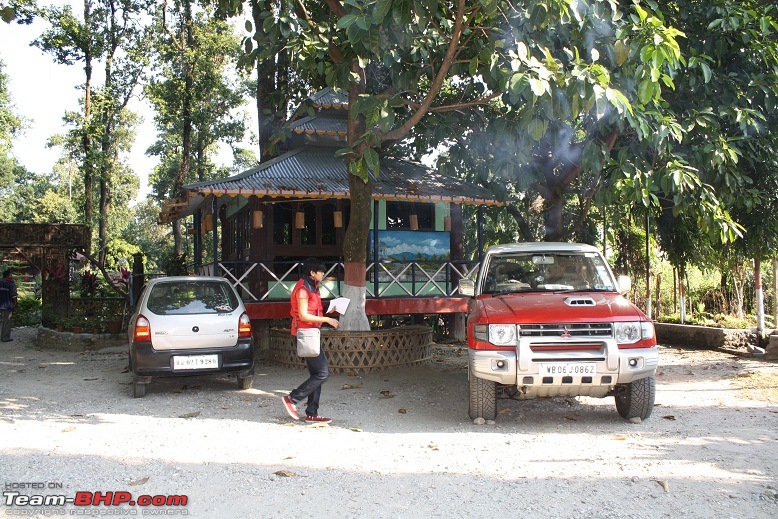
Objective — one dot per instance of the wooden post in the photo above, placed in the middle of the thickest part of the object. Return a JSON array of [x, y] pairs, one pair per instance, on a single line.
[[458, 328], [759, 300], [775, 293], [138, 277], [648, 272]]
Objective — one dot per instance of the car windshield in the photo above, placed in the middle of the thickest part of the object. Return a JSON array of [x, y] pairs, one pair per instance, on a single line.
[[528, 272], [191, 297]]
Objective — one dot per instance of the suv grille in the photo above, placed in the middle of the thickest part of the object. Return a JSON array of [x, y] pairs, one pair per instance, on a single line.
[[580, 330]]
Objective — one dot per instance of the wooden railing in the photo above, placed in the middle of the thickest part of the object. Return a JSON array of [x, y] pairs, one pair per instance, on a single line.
[[273, 281]]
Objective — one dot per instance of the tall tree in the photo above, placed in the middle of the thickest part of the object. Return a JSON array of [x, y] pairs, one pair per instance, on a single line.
[[72, 40], [125, 57], [110, 32], [194, 99], [536, 64], [11, 125]]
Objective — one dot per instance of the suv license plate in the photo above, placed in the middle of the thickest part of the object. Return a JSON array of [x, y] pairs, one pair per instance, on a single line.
[[195, 361], [569, 369]]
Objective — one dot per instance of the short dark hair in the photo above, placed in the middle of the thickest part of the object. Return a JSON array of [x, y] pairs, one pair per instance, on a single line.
[[7, 273], [313, 265]]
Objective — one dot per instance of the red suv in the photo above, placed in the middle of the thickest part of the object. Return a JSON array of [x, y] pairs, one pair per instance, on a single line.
[[549, 319]]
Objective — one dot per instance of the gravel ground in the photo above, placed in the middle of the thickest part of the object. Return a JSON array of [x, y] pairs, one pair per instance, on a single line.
[[400, 444]]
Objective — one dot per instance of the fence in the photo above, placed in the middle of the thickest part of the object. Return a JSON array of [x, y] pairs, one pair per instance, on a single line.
[[274, 280]]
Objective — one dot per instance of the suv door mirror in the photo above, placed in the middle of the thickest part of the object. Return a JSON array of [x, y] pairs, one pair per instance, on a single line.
[[625, 284], [467, 287]]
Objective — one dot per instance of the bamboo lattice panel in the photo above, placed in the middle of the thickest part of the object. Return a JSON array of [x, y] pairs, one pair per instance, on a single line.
[[361, 352]]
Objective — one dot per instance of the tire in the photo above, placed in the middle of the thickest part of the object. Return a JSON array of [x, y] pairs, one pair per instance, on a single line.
[[138, 389], [483, 398], [246, 382], [636, 399]]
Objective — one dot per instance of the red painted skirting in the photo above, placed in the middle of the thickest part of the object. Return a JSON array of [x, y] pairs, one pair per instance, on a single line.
[[384, 306]]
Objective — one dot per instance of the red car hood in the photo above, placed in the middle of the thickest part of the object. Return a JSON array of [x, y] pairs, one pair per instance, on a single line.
[[550, 307]]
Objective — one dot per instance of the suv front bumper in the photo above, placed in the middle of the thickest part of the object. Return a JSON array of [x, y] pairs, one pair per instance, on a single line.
[[521, 367]]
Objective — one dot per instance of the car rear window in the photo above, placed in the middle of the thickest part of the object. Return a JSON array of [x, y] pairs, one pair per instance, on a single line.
[[192, 297]]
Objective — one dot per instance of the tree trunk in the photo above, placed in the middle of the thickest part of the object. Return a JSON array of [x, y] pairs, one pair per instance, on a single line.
[[355, 255], [186, 121], [358, 232], [85, 139], [265, 119], [554, 228]]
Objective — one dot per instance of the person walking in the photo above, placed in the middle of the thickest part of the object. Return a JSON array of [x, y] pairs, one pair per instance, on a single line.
[[307, 318], [8, 300]]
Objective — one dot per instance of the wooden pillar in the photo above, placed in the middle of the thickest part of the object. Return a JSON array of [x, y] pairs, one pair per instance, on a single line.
[[458, 322], [138, 277]]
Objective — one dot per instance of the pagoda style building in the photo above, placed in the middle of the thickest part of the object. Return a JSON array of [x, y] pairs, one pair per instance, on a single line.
[[267, 220]]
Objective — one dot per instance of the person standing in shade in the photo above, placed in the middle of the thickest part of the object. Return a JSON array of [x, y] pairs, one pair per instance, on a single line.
[[307, 317], [8, 300]]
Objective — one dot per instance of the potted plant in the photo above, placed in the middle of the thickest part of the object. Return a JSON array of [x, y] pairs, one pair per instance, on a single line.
[[78, 323], [113, 326]]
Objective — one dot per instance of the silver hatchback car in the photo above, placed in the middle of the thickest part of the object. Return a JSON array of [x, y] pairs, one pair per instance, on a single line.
[[189, 326]]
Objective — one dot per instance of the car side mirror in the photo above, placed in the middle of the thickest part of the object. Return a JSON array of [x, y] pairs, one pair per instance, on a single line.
[[467, 287], [625, 284]]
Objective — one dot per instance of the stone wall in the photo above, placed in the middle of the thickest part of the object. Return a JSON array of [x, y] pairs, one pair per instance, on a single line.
[[704, 337], [53, 340]]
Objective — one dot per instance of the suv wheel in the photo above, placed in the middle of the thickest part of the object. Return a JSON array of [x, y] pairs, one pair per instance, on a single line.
[[636, 399], [483, 398]]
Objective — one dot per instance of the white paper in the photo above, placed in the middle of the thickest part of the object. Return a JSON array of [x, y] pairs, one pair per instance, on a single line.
[[339, 304]]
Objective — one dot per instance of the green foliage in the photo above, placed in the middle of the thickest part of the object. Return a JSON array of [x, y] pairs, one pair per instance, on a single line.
[[27, 312], [143, 231], [194, 99], [119, 253], [174, 265]]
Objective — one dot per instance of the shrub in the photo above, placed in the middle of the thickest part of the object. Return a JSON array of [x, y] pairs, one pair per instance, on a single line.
[[27, 312]]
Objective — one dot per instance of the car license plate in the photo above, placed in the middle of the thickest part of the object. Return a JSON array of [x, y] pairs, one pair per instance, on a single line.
[[569, 369], [195, 361]]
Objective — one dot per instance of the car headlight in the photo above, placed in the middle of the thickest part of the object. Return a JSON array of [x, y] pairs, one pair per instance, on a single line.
[[633, 331], [502, 334]]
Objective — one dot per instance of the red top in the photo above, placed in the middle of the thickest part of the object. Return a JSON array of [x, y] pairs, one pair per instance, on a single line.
[[314, 304]]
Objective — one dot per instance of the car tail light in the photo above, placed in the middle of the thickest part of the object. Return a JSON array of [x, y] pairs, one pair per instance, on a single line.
[[142, 330], [244, 326]]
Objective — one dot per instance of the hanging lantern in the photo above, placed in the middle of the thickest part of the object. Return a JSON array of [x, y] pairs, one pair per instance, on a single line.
[[414, 222], [299, 220], [206, 225], [338, 217], [258, 219]]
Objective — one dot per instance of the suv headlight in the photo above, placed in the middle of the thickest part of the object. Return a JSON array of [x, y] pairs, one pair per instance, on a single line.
[[633, 331], [502, 334]]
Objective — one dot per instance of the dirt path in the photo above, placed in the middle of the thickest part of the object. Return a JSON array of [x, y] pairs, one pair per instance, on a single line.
[[400, 444]]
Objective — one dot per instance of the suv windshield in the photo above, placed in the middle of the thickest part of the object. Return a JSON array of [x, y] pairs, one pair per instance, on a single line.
[[547, 271], [191, 297]]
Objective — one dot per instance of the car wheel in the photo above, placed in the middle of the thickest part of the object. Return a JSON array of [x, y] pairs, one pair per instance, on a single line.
[[246, 382], [138, 389], [483, 398], [636, 399]]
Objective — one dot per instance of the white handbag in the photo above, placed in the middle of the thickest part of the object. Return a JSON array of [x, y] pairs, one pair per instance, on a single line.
[[308, 342]]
